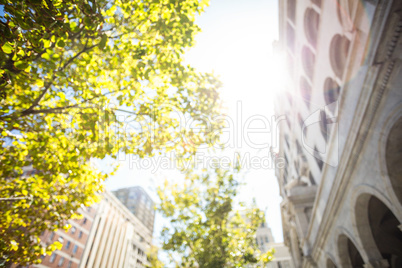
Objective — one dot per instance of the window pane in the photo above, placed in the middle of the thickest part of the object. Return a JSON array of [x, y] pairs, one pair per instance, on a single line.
[[52, 257], [61, 261]]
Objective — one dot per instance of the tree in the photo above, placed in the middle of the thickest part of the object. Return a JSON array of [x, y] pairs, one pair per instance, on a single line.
[[205, 230], [83, 80], [153, 259]]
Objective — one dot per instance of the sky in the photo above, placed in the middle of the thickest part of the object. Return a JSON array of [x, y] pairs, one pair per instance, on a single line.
[[236, 45]]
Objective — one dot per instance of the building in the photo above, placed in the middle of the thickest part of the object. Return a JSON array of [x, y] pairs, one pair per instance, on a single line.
[[139, 203], [339, 161], [264, 237], [265, 242], [108, 235], [117, 238], [74, 241]]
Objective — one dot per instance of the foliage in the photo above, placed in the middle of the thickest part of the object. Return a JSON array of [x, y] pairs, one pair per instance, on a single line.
[[152, 256], [205, 230], [89, 79]]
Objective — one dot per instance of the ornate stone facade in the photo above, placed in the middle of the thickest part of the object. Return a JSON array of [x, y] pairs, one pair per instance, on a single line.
[[341, 133]]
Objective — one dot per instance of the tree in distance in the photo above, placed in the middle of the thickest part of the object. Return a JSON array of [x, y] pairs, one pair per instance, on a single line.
[[205, 228]]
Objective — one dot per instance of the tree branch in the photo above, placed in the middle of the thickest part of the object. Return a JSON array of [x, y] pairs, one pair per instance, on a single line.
[[48, 85], [56, 110]]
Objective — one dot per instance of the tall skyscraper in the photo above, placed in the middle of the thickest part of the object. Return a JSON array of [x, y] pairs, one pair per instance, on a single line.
[[340, 154], [117, 238], [139, 203]]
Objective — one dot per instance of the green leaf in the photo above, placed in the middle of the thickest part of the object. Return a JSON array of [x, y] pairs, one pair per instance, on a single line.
[[93, 84], [46, 56], [103, 41], [61, 43], [21, 65], [47, 43], [7, 48]]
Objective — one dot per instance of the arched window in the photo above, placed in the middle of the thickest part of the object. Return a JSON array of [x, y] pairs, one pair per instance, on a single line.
[[311, 25], [305, 91], [325, 125], [348, 253], [393, 158], [317, 158], [387, 235], [330, 264], [338, 53], [331, 92], [308, 61], [292, 10], [287, 140], [288, 121], [378, 229], [299, 148], [300, 119]]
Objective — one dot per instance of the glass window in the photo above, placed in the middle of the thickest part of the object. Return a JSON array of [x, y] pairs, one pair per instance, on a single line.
[[51, 236], [61, 261], [52, 258], [75, 249], [85, 221], [73, 229], [61, 239], [69, 264], [80, 234], [266, 239], [68, 244]]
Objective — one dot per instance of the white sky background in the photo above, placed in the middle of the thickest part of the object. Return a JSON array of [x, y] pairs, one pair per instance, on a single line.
[[236, 44]]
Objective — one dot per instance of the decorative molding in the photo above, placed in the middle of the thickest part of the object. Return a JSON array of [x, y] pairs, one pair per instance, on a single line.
[[357, 141], [394, 39]]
